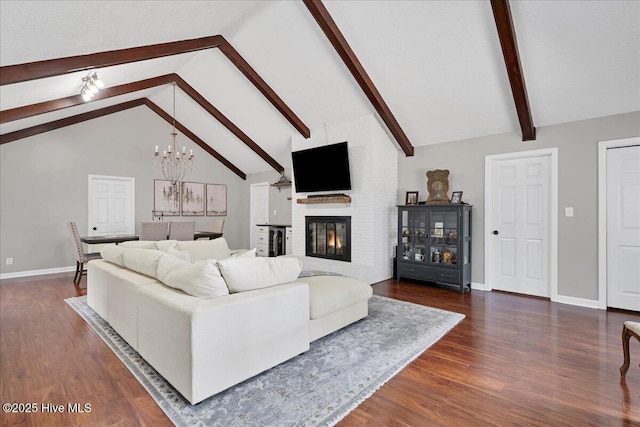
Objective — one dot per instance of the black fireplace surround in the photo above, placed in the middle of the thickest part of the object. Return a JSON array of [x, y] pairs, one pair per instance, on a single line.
[[328, 237]]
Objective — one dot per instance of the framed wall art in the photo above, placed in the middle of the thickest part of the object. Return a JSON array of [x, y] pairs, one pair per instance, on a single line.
[[216, 199], [192, 199], [166, 198]]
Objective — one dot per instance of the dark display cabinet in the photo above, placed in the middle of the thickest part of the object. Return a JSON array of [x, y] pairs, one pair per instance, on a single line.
[[434, 244]]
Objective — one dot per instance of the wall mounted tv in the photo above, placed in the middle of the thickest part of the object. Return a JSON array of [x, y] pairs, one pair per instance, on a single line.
[[323, 168]]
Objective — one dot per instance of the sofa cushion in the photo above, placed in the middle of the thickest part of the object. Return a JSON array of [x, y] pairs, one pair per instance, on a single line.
[[328, 294], [143, 261], [244, 253], [201, 279], [113, 253], [169, 247], [246, 273], [139, 244], [205, 249], [179, 254], [165, 245]]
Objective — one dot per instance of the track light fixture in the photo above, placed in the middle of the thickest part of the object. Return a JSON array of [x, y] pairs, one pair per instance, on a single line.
[[90, 86]]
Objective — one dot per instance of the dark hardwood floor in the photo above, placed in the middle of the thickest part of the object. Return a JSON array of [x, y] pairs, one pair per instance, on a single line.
[[513, 361]]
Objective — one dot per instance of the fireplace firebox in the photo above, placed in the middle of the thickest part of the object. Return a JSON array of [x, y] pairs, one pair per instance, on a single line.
[[329, 237]]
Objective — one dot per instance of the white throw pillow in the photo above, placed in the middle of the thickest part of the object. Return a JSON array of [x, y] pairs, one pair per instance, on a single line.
[[201, 279], [165, 245], [169, 247], [113, 253], [205, 249], [179, 254], [144, 261], [244, 253], [245, 274], [139, 244]]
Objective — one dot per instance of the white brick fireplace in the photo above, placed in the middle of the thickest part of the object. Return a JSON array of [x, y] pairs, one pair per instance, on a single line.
[[373, 159]]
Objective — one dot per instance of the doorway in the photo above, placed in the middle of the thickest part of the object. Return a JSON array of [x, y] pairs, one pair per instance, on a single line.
[[619, 224], [521, 194], [258, 209], [111, 205]]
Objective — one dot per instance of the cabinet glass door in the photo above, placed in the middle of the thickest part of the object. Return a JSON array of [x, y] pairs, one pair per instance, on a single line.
[[414, 235], [466, 235], [443, 237]]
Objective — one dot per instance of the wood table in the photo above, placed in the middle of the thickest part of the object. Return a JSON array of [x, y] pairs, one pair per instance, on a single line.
[[98, 240], [119, 238], [210, 234]]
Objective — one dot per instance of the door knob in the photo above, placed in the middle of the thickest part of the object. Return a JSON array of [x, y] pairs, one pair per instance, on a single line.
[[495, 232], [95, 228]]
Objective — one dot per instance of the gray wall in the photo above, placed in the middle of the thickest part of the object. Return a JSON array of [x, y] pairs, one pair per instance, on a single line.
[[577, 145], [44, 184], [279, 205]]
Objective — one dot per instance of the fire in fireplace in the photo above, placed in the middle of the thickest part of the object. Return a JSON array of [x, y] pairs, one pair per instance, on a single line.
[[329, 237]]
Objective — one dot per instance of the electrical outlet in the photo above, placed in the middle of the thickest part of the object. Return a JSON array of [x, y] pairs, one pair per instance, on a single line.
[[9, 261], [275, 212]]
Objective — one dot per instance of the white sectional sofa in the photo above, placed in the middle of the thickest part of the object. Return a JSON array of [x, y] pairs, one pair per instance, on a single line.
[[206, 318]]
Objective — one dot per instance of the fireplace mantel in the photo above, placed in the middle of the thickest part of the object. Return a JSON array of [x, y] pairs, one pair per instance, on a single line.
[[329, 199]]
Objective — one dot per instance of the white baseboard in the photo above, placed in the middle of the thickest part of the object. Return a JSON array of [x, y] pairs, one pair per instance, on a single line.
[[581, 302], [479, 287], [37, 272]]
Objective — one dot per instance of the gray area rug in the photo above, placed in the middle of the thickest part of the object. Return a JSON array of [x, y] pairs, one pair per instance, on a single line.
[[317, 388]]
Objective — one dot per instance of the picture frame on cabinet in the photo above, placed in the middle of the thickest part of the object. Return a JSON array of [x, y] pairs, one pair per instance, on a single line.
[[411, 198], [456, 197]]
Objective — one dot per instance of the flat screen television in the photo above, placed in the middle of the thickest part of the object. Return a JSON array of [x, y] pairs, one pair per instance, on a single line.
[[323, 168]]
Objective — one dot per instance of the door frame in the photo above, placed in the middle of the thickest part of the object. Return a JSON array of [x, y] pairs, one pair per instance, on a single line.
[[252, 208], [603, 146], [90, 212], [553, 212]]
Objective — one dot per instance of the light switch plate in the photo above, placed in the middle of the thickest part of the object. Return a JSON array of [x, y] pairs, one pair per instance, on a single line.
[[568, 211]]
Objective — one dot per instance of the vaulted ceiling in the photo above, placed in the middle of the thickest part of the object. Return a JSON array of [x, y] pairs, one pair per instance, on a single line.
[[437, 64]]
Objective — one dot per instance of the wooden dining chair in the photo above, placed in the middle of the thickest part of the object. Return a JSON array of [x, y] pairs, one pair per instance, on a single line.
[[181, 230], [81, 257], [630, 329], [218, 225], [154, 230]]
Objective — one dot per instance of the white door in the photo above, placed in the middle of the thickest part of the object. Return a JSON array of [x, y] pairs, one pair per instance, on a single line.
[[519, 243], [111, 205], [623, 228], [258, 209]]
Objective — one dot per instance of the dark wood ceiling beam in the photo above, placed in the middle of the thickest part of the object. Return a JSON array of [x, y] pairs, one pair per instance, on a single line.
[[90, 115], [507, 35], [201, 100], [192, 136], [54, 67], [331, 30], [241, 64], [48, 106], [72, 101], [68, 121]]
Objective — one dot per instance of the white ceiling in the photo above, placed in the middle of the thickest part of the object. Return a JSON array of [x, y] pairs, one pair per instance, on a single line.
[[438, 64]]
